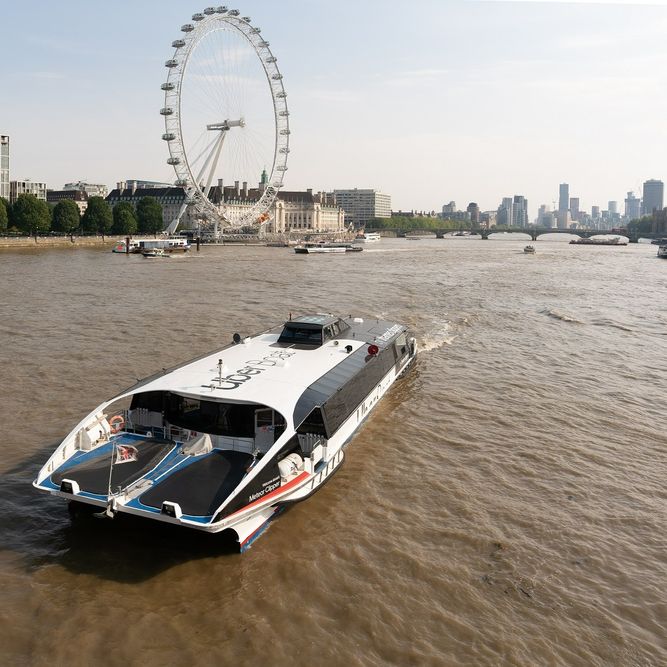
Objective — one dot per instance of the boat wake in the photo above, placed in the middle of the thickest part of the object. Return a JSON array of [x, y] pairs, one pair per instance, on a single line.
[[613, 325], [600, 322], [561, 316], [436, 339]]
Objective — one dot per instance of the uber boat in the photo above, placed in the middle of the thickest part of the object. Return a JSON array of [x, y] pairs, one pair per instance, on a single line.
[[226, 441]]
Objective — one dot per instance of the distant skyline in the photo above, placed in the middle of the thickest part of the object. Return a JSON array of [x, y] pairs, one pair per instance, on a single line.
[[428, 102]]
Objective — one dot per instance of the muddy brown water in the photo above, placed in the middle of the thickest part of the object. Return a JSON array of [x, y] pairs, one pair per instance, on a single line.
[[503, 505]]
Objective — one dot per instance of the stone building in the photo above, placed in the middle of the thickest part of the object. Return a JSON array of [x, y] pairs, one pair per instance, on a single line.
[[291, 211], [79, 197]]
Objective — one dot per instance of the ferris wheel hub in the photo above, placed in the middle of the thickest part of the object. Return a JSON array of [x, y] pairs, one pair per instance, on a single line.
[[226, 124]]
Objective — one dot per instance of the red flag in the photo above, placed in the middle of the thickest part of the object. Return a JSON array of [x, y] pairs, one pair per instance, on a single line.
[[126, 453]]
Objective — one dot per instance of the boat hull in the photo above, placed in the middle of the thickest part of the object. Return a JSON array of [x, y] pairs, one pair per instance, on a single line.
[[199, 483]]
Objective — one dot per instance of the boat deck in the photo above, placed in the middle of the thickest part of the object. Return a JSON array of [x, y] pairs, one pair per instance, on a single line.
[[90, 470], [198, 484], [201, 486]]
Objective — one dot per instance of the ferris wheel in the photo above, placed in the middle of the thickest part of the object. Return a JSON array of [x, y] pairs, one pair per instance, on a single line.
[[226, 120]]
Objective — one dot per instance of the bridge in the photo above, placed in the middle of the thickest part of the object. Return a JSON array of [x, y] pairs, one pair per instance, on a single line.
[[533, 232]]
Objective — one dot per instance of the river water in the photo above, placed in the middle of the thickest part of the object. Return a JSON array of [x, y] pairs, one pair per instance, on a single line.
[[503, 505]]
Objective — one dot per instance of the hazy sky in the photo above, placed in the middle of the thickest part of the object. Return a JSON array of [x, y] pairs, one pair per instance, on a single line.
[[428, 100]]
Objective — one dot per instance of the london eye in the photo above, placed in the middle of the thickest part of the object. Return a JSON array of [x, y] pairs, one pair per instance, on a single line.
[[226, 120]]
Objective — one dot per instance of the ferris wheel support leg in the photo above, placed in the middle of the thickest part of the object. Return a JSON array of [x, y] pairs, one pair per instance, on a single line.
[[221, 140], [173, 225]]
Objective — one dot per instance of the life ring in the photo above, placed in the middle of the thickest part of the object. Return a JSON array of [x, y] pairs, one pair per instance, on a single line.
[[116, 423]]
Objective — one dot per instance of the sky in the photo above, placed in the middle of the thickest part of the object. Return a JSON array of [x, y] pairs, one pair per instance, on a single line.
[[428, 101]]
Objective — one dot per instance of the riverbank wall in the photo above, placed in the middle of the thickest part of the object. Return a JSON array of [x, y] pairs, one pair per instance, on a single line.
[[15, 242]]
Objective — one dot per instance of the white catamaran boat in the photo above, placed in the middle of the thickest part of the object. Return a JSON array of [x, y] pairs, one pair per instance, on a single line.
[[226, 441]]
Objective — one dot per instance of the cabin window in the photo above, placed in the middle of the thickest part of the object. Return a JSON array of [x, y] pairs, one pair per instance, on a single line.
[[401, 345], [227, 419], [149, 400], [313, 423]]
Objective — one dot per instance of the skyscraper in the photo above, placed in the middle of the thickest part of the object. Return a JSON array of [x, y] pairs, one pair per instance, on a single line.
[[4, 166], [613, 207], [632, 206], [574, 208], [519, 211], [504, 216], [473, 209], [563, 197], [653, 196]]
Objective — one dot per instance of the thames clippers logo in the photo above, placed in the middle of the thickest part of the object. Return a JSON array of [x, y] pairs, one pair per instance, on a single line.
[[251, 369]]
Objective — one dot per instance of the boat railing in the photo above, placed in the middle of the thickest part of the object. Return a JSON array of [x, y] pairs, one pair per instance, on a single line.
[[308, 442]]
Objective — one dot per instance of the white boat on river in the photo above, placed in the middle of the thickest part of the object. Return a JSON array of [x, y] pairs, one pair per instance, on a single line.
[[368, 237], [226, 441]]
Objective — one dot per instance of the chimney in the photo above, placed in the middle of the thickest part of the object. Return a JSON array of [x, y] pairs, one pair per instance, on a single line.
[[245, 189], [236, 189], [220, 184]]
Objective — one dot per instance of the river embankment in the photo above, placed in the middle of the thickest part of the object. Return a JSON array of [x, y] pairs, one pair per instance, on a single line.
[[16, 242]]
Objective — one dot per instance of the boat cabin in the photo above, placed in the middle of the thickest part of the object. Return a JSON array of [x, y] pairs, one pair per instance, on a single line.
[[312, 330], [248, 427]]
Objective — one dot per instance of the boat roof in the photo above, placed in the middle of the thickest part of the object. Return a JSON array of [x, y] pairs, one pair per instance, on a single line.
[[261, 370]]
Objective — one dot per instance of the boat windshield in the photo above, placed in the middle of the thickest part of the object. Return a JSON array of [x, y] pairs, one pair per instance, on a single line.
[[301, 335]]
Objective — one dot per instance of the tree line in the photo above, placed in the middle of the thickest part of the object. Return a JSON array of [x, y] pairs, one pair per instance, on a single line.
[[642, 226], [29, 215], [646, 224], [402, 222]]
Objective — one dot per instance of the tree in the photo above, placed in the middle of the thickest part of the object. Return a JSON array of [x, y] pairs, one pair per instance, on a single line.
[[66, 216], [31, 215], [124, 219], [97, 218], [149, 214], [640, 226], [4, 215]]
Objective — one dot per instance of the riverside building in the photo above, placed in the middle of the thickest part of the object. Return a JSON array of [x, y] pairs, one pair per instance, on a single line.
[[4, 166], [91, 189], [291, 211], [79, 197], [27, 187], [361, 206]]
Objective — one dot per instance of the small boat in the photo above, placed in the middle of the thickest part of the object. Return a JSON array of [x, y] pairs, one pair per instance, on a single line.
[[155, 252], [367, 237], [529, 249], [225, 442], [662, 251], [121, 247], [615, 241], [323, 247], [175, 244]]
